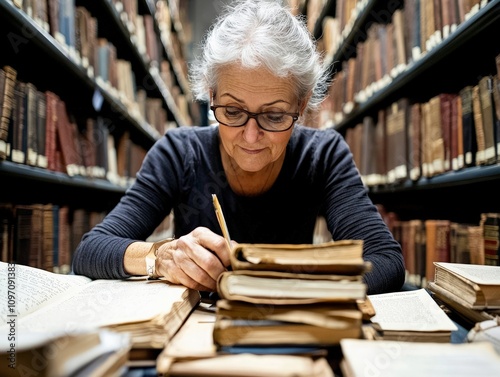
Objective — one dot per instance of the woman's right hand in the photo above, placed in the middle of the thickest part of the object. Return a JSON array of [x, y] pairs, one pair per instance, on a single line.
[[195, 260]]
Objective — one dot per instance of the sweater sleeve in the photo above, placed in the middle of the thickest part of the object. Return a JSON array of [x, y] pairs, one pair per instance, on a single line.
[[351, 214], [145, 204]]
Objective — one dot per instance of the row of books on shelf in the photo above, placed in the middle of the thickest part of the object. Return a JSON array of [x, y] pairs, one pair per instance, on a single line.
[[76, 29], [37, 129], [425, 242], [389, 48], [46, 235], [43, 235], [450, 132]]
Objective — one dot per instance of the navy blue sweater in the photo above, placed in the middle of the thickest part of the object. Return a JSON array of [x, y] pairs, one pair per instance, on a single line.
[[184, 168]]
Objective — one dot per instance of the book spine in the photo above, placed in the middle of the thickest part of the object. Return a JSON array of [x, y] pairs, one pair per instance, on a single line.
[[491, 231]]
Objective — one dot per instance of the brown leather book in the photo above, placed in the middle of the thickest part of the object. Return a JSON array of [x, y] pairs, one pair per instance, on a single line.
[[31, 151], [414, 142], [438, 20], [36, 230], [64, 240], [409, 30], [427, 24], [438, 245], [4, 129], [436, 136], [468, 127], [390, 50], [456, 136], [420, 251], [488, 117], [6, 232], [383, 41], [459, 243], [22, 234], [47, 259], [399, 39], [369, 150], [18, 122], [496, 103], [400, 140], [460, 133], [491, 238], [479, 127], [67, 136], [53, 16], [349, 103], [381, 146], [476, 243], [9, 75], [50, 129], [41, 132], [446, 128]]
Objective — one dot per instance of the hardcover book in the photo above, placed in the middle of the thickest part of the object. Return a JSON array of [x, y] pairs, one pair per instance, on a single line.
[[475, 286], [273, 287], [334, 257]]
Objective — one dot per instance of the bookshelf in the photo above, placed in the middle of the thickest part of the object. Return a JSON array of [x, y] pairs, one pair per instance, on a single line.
[[117, 69], [456, 61]]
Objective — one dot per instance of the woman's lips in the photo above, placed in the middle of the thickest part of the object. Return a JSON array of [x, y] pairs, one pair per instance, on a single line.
[[252, 151]]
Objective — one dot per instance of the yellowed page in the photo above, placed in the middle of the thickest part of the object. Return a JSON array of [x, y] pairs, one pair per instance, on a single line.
[[395, 359], [106, 302], [32, 288], [409, 311]]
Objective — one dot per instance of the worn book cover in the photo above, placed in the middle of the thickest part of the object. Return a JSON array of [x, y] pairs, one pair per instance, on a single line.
[[289, 288], [477, 286], [334, 257]]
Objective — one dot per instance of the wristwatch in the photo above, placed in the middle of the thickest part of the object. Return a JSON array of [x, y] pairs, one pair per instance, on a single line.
[[151, 258]]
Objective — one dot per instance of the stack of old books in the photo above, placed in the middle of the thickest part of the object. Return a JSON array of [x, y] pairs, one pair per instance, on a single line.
[[470, 290], [291, 295], [280, 308]]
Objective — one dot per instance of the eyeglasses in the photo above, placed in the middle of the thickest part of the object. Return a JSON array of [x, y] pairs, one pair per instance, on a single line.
[[271, 121]]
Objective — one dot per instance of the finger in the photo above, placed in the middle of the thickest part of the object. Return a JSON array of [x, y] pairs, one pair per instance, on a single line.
[[175, 275], [213, 242], [190, 268], [197, 261]]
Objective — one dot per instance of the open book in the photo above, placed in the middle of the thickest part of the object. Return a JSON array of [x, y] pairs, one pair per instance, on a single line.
[[474, 286], [390, 358], [151, 311], [409, 316]]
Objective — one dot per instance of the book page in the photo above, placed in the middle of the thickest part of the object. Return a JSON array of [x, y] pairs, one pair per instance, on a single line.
[[106, 302], [30, 288], [478, 273], [409, 311], [395, 359]]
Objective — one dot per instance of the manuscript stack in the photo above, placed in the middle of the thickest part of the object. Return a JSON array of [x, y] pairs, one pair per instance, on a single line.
[[291, 295]]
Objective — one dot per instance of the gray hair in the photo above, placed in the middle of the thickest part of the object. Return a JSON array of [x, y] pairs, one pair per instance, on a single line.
[[257, 33]]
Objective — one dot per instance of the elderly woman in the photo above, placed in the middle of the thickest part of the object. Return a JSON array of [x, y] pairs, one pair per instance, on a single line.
[[260, 71]]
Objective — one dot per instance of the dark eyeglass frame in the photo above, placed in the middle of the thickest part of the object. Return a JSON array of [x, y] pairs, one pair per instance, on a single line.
[[295, 117]]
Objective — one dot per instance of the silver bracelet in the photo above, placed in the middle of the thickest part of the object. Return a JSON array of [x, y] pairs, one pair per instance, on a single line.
[[151, 258]]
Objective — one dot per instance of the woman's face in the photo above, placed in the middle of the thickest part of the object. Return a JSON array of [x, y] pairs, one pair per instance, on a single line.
[[256, 90]]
